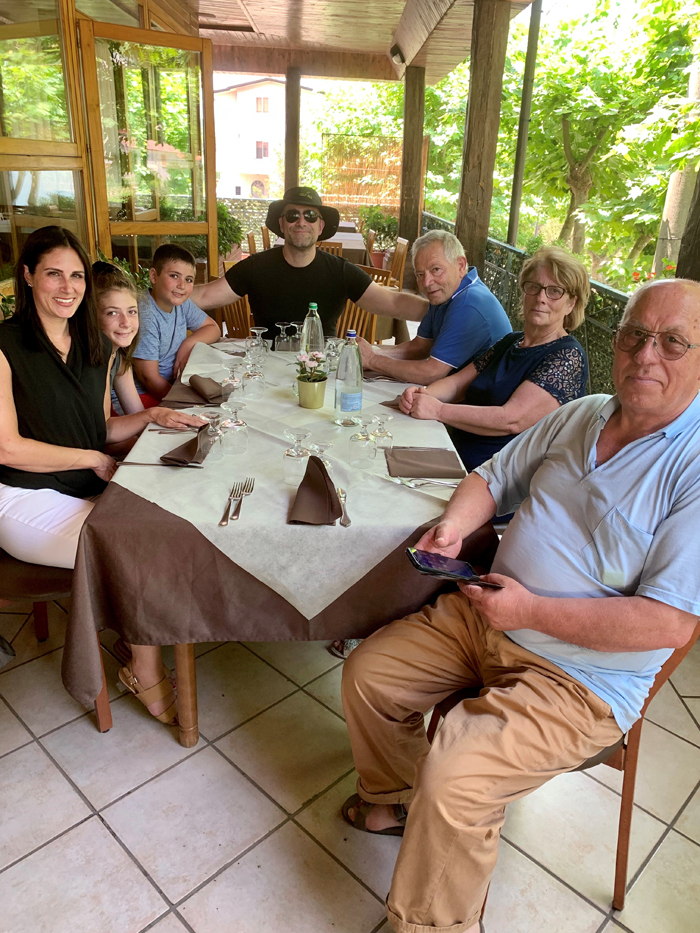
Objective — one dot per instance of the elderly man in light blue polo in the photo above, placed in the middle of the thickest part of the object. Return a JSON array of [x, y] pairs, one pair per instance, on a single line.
[[600, 571]]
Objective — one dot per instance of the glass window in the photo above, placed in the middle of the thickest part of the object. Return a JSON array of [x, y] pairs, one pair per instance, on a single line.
[[141, 249], [32, 81], [121, 12], [261, 150], [152, 128], [261, 104], [33, 199]]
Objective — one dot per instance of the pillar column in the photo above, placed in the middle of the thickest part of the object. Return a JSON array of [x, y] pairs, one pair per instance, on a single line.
[[292, 112], [412, 154]]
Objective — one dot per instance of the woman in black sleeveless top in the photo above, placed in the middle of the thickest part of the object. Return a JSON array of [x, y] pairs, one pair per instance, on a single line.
[[523, 376], [53, 379]]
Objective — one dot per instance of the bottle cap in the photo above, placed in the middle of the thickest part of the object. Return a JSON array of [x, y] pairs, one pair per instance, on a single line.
[[313, 306], [351, 333]]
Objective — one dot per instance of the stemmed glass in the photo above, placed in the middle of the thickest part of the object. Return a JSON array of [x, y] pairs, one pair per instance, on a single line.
[[284, 340], [235, 439], [232, 367], [333, 347], [296, 336], [319, 448], [253, 380], [214, 434], [295, 458], [363, 450], [383, 439]]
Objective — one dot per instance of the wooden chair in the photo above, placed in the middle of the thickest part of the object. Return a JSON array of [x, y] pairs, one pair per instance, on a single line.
[[356, 318], [398, 263], [371, 237], [237, 318], [622, 756], [380, 276], [336, 249], [252, 248], [228, 264], [265, 237], [20, 580]]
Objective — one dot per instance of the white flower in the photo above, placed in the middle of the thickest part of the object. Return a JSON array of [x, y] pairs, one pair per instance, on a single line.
[[317, 355], [303, 357], [311, 365]]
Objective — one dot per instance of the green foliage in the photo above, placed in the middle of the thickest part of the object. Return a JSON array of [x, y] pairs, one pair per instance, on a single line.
[[385, 225], [229, 227], [7, 307], [140, 278], [33, 89]]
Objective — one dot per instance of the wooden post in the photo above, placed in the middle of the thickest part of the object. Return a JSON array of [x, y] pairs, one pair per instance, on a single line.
[[292, 110], [689, 256], [488, 55], [412, 155]]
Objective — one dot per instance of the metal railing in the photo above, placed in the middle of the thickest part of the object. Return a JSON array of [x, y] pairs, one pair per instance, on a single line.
[[603, 312]]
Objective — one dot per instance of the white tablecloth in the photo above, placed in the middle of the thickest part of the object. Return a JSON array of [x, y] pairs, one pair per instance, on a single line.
[[310, 566]]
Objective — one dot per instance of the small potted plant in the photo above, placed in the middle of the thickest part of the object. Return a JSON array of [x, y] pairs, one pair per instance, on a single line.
[[386, 226], [312, 375]]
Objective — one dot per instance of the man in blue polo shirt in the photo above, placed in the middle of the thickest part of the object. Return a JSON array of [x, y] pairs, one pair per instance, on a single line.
[[464, 318]]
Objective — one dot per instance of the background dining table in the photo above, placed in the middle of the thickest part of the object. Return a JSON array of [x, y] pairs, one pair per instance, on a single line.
[[154, 565]]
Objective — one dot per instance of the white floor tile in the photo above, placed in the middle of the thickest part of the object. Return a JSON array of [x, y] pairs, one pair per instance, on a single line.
[[107, 765], [525, 899], [687, 677], [36, 693], [327, 689], [301, 661], [579, 842], [187, 823], [667, 895], [169, 924], [285, 884], [19, 605], [370, 857], [27, 647], [37, 803], [10, 624], [667, 710], [689, 820], [82, 882], [694, 707], [12, 732], [293, 751], [667, 772], [232, 686]]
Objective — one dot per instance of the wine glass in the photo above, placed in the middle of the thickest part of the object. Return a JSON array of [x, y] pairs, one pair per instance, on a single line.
[[235, 439], [319, 448], [232, 367], [382, 438], [295, 458], [296, 336], [363, 450], [253, 381], [283, 341], [214, 434], [334, 346]]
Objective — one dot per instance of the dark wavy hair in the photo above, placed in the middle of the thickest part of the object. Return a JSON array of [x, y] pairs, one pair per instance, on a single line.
[[83, 325], [108, 278]]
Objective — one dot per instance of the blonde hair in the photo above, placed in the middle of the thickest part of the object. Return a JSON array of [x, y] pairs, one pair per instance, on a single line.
[[568, 272]]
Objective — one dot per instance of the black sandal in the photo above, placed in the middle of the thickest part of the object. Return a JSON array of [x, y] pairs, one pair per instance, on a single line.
[[362, 808]]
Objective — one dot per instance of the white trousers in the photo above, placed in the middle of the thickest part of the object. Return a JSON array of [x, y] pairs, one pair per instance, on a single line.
[[41, 526]]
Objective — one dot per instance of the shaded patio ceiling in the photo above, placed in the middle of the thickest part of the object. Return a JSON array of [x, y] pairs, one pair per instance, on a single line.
[[339, 38]]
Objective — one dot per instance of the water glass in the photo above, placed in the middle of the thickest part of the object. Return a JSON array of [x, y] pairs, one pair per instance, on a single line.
[[283, 340], [214, 435], [295, 458], [296, 336], [319, 448], [383, 439], [235, 432], [334, 346], [253, 382], [363, 450]]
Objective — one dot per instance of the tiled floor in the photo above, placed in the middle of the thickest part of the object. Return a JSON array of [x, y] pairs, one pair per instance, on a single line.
[[127, 831]]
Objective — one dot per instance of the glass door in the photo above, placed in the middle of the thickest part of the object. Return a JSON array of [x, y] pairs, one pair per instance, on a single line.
[[149, 100]]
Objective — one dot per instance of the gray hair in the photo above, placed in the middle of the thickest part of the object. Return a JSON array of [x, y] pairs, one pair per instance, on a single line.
[[636, 297], [451, 246]]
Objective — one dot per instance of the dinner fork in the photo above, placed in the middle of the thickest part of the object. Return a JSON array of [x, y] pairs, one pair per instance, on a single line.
[[416, 484], [236, 493], [246, 491]]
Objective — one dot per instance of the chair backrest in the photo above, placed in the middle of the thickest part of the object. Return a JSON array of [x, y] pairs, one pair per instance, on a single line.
[[252, 248], [398, 263], [335, 248], [380, 276], [356, 318], [371, 237], [228, 264], [265, 237], [237, 318]]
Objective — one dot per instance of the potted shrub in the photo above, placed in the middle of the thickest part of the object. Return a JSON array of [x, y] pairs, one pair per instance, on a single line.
[[386, 226], [312, 375]]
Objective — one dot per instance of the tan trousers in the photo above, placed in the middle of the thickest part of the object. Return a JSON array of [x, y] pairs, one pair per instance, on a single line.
[[531, 722]]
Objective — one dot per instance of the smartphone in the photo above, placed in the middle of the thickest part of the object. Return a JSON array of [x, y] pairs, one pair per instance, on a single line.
[[447, 568]]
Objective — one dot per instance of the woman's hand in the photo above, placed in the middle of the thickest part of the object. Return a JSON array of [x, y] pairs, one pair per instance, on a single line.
[[105, 466], [406, 400], [425, 406], [167, 418]]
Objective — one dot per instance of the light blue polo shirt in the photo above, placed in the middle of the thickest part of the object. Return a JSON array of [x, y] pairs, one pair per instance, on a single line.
[[625, 528], [161, 333], [467, 325]]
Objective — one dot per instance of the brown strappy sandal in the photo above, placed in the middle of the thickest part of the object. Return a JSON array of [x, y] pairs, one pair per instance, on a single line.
[[160, 691], [362, 808]]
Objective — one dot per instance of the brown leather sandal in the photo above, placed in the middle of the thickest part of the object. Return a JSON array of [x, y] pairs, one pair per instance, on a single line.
[[362, 808], [160, 691], [123, 653]]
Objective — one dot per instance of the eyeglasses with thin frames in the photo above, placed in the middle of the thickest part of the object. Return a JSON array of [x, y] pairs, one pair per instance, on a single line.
[[292, 215], [630, 338], [553, 292]]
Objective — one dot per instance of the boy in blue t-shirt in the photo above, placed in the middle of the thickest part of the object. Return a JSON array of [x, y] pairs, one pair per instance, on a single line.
[[165, 315]]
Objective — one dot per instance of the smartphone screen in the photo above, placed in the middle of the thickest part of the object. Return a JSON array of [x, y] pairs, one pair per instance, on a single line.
[[447, 567]]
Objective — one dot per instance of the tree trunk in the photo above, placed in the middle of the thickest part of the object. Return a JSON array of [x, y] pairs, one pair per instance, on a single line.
[[689, 255], [640, 244], [578, 241], [580, 184], [678, 197]]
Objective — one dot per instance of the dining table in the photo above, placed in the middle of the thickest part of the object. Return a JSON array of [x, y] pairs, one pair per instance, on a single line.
[[154, 564]]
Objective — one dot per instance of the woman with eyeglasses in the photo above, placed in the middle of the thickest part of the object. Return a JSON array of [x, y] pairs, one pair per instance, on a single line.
[[522, 377]]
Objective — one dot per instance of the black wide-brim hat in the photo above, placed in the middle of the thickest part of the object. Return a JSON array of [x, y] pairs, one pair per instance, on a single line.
[[331, 217]]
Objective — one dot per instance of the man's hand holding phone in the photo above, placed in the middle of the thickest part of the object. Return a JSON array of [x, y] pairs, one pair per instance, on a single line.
[[507, 609], [444, 538]]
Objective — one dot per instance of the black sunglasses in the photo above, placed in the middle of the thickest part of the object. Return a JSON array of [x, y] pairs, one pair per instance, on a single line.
[[292, 215]]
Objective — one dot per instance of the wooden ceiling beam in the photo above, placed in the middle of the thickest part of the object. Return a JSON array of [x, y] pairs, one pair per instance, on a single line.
[[311, 62], [418, 21]]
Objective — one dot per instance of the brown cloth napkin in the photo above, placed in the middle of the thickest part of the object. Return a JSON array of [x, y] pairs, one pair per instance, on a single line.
[[413, 463], [317, 501], [392, 403], [182, 396], [192, 451]]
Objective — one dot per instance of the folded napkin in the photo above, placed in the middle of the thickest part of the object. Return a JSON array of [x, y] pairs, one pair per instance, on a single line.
[[317, 501], [392, 403], [182, 396], [210, 389], [414, 463], [192, 451]]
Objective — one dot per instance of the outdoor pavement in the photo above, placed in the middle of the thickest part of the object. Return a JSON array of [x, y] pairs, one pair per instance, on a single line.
[[128, 831]]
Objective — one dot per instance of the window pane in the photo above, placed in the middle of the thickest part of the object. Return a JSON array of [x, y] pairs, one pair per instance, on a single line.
[[33, 199], [152, 128], [121, 12], [141, 249], [32, 85]]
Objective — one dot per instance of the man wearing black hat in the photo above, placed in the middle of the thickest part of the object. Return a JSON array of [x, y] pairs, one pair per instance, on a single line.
[[281, 283]]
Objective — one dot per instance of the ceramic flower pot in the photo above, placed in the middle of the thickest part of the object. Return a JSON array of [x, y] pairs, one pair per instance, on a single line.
[[312, 394]]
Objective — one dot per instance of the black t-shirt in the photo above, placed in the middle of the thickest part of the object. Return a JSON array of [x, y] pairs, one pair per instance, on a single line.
[[280, 292]]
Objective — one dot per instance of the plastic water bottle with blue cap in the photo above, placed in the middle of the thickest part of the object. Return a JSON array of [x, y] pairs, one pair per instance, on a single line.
[[348, 384]]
